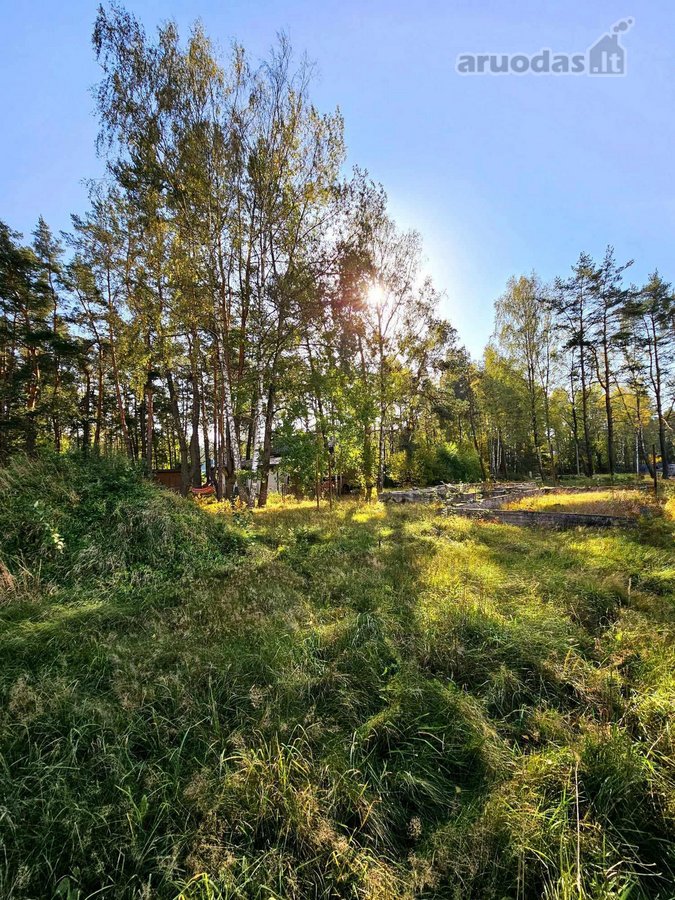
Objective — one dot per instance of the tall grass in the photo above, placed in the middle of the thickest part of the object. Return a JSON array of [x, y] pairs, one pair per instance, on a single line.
[[65, 519], [370, 703]]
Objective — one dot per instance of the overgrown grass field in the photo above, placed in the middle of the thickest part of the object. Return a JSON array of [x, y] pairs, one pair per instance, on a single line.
[[375, 702]]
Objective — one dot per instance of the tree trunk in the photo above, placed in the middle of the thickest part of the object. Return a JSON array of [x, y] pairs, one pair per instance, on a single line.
[[195, 452], [180, 434], [267, 447], [57, 372], [381, 451], [663, 445], [575, 421], [368, 460], [474, 436], [205, 428], [549, 441], [99, 405], [86, 410], [255, 448], [584, 415], [118, 395], [609, 413], [533, 414], [149, 423]]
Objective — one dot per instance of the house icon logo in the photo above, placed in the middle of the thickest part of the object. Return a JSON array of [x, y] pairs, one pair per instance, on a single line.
[[607, 56]]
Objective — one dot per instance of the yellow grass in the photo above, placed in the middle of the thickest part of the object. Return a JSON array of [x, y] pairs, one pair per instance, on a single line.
[[609, 502]]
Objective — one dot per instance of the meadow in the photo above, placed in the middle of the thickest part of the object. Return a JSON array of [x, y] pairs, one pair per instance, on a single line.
[[372, 702]]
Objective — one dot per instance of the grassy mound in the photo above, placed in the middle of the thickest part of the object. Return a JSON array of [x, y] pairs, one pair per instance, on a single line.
[[372, 703], [67, 520]]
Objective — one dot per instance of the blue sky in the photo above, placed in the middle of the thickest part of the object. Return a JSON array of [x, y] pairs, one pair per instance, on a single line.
[[501, 175]]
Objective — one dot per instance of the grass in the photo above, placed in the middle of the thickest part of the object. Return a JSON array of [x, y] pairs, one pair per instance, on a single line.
[[377, 702], [607, 502], [627, 479]]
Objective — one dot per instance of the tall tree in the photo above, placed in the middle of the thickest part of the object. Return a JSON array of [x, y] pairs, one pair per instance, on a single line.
[[571, 302], [652, 310], [608, 297], [522, 331]]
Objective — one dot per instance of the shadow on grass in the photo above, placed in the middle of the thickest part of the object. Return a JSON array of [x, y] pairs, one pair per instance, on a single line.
[[361, 686]]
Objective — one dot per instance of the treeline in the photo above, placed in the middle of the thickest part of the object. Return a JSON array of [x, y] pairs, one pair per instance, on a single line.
[[230, 295], [579, 375], [228, 292]]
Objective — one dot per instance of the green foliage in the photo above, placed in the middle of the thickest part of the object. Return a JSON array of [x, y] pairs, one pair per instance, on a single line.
[[431, 465], [73, 519], [300, 458]]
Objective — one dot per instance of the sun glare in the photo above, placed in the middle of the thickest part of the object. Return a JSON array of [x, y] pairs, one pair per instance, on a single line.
[[375, 294]]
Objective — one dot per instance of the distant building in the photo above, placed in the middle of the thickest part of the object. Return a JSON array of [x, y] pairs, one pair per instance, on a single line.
[[275, 481], [168, 478], [171, 478]]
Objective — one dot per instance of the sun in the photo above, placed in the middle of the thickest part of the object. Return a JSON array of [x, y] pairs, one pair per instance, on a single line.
[[375, 294]]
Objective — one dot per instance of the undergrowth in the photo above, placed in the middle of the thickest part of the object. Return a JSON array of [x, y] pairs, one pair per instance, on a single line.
[[370, 703]]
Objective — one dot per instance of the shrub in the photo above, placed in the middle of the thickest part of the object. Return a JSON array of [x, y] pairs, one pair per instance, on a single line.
[[68, 518], [431, 465]]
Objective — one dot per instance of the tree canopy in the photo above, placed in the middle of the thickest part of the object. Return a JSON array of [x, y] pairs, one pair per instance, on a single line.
[[233, 294]]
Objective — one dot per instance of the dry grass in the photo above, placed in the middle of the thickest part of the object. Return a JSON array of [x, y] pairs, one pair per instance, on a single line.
[[609, 502]]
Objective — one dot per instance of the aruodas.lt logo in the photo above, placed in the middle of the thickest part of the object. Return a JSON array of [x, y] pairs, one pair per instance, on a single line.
[[606, 56]]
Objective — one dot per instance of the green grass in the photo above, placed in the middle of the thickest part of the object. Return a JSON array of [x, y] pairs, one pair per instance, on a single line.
[[370, 703]]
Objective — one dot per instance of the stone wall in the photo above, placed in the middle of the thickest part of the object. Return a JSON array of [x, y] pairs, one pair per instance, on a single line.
[[490, 496], [486, 502], [548, 519]]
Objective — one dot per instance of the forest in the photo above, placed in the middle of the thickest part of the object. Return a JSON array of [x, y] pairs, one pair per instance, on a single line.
[[230, 296]]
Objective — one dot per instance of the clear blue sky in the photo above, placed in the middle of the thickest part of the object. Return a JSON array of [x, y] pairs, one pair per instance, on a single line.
[[500, 174]]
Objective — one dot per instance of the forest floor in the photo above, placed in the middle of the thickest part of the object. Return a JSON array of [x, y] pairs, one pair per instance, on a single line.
[[374, 702]]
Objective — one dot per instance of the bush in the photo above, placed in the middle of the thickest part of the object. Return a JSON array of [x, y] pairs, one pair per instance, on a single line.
[[432, 465], [68, 518]]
